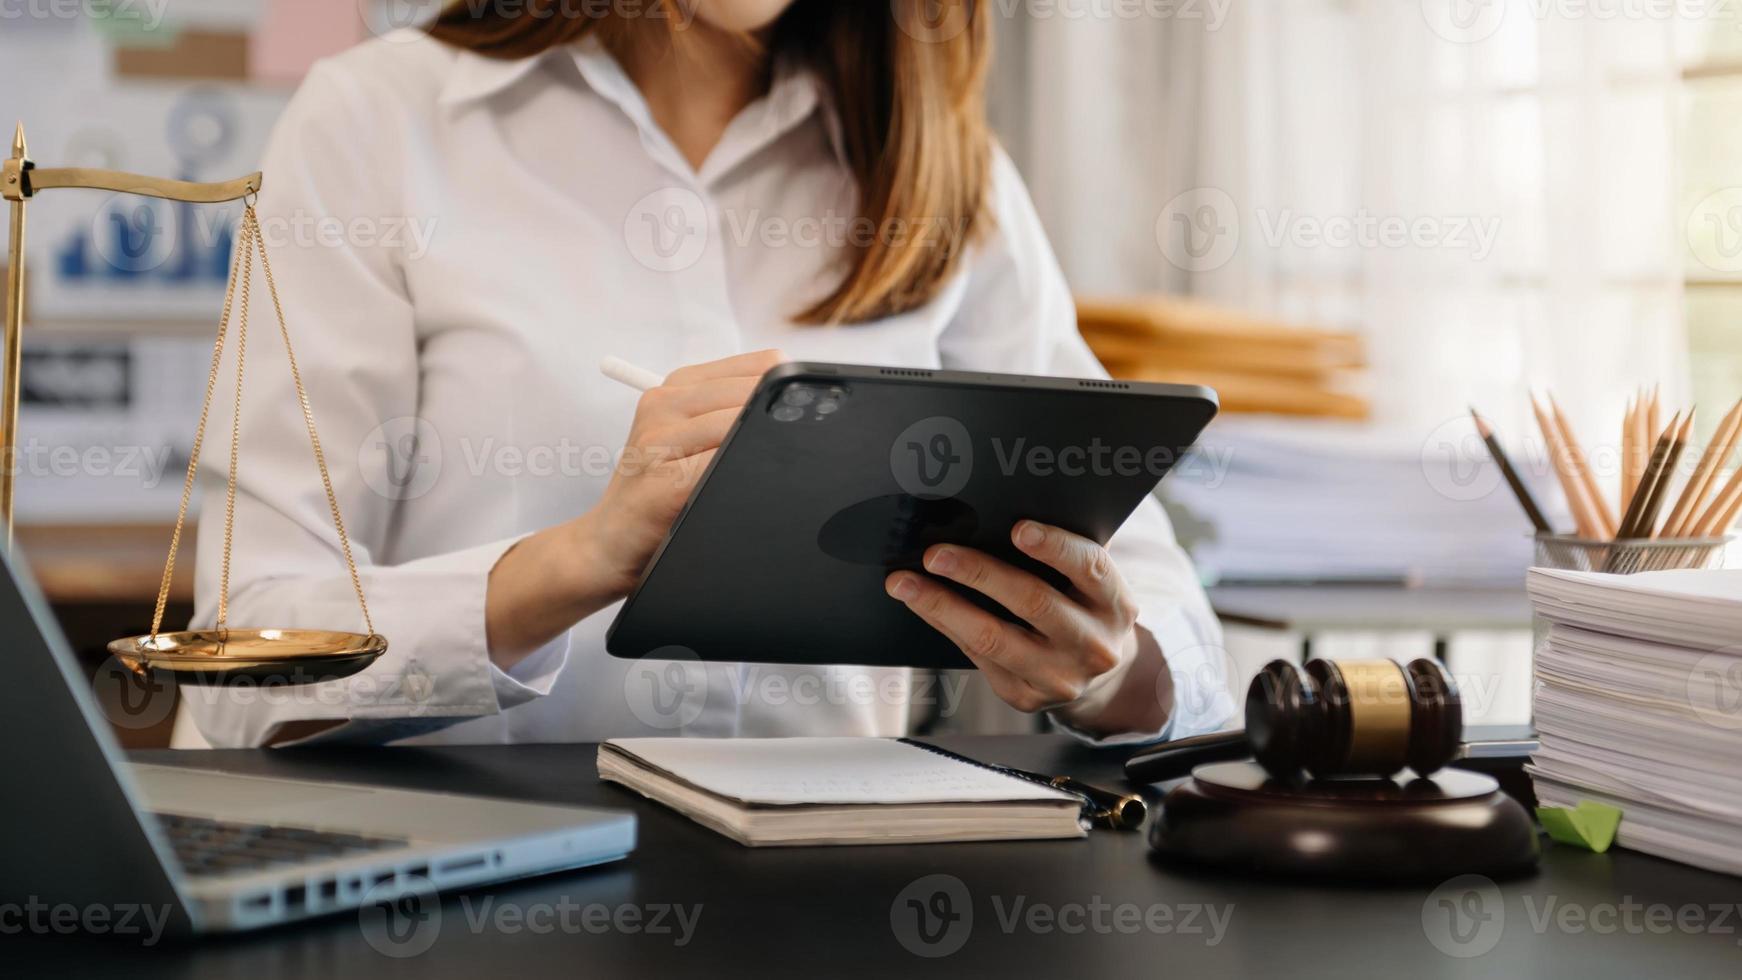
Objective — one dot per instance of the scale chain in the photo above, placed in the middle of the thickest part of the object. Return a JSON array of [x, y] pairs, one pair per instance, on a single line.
[[308, 417], [187, 486], [250, 242], [235, 432]]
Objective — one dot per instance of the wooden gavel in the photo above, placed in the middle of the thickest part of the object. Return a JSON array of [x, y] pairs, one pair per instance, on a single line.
[[1330, 718]]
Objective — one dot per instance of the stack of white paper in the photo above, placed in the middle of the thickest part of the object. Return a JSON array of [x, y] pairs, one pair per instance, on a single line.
[[1639, 705], [1332, 501]]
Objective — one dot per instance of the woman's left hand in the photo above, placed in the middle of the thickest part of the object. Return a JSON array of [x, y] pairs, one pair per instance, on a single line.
[[1073, 637]]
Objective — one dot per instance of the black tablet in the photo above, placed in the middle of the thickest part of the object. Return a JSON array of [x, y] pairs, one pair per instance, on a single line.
[[836, 475]]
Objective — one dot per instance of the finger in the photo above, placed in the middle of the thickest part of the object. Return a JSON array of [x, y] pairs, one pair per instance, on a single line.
[[1005, 683], [751, 365], [1040, 605], [1013, 690], [675, 481], [691, 436], [977, 632], [669, 401], [1088, 565]]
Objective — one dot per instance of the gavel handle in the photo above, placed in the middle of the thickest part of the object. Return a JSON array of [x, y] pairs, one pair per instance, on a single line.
[[1171, 760]]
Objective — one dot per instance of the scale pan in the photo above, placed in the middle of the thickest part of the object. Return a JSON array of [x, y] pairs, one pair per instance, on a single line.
[[222, 656]]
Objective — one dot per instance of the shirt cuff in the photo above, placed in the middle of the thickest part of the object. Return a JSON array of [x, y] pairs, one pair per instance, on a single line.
[[446, 670], [436, 671], [533, 677], [1198, 666], [479, 686]]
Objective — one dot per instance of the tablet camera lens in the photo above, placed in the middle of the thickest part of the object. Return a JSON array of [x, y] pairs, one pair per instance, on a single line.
[[828, 406], [798, 396], [787, 413]]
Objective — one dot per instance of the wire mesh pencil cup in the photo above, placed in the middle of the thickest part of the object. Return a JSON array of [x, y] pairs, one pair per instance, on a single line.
[[1629, 555]]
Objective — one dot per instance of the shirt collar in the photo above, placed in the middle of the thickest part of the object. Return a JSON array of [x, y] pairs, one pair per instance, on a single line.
[[476, 77], [796, 92]]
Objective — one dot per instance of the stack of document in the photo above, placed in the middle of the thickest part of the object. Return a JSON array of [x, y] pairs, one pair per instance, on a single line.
[[1255, 363], [1290, 501], [1639, 705]]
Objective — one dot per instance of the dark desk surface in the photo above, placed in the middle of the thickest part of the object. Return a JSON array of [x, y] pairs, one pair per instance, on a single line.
[[827, 911]]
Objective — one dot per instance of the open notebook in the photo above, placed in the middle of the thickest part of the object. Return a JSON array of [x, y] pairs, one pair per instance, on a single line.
[[786, 791]]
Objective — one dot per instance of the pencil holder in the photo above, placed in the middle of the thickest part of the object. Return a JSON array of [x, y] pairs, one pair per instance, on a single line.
[[1629, 555]]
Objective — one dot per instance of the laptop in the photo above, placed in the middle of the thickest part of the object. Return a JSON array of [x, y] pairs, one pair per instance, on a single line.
[[217, 852]]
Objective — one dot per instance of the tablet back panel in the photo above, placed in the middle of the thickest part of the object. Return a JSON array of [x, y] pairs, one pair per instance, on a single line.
[[781, 555]]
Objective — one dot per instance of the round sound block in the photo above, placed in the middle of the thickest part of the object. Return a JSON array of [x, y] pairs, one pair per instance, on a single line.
[[1235, 816]]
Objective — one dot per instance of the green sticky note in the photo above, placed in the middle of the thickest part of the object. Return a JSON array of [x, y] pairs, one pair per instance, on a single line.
[[1589, 825]]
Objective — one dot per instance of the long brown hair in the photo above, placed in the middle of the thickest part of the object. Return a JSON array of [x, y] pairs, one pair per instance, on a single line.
[[910, 93]]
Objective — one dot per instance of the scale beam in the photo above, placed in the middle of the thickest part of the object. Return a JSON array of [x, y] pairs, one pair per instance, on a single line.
[[34, 179], [20, 181], [218, 655]]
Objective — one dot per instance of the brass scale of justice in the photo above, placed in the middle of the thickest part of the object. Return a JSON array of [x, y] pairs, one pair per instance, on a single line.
[[221, 654]]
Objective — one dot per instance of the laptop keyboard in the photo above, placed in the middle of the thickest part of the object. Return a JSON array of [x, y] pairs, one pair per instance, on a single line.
[[222, 847]]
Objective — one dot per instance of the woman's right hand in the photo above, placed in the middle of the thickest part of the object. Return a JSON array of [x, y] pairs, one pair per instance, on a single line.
[[553, 579], [677, 428]]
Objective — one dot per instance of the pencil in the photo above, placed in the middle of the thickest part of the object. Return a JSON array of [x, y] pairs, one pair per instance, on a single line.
[[1647, 481], [1647, 527], [1641, 445], [1519, 490], [1727, 520], [1626, 495], [1582, 467], [1721, 516], [1690, 507], [1653, 417], [1570, 485]]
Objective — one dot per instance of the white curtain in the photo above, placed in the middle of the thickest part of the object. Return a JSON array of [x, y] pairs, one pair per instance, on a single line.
[[1486, 188]]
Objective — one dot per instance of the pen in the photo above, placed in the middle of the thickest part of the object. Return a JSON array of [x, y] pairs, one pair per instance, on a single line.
[[623, 372], [1113, 810], [1102, 807]]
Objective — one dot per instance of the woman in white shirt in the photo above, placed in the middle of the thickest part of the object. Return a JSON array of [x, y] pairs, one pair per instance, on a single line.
[[464, 221]]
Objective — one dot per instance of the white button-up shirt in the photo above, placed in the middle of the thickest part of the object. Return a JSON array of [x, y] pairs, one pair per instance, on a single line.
[[458, 242]]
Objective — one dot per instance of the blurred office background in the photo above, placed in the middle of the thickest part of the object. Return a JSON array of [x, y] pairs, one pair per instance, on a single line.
[[1352, 217]]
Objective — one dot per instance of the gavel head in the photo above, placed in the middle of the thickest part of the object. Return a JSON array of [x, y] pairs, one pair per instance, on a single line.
[[1353, 718]]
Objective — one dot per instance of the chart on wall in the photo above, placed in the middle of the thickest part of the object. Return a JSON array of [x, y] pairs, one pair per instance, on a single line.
[[123, 291], [101, 256], [188, 90]]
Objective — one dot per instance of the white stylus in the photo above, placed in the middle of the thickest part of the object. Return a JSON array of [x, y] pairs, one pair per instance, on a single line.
[[623, 372]]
